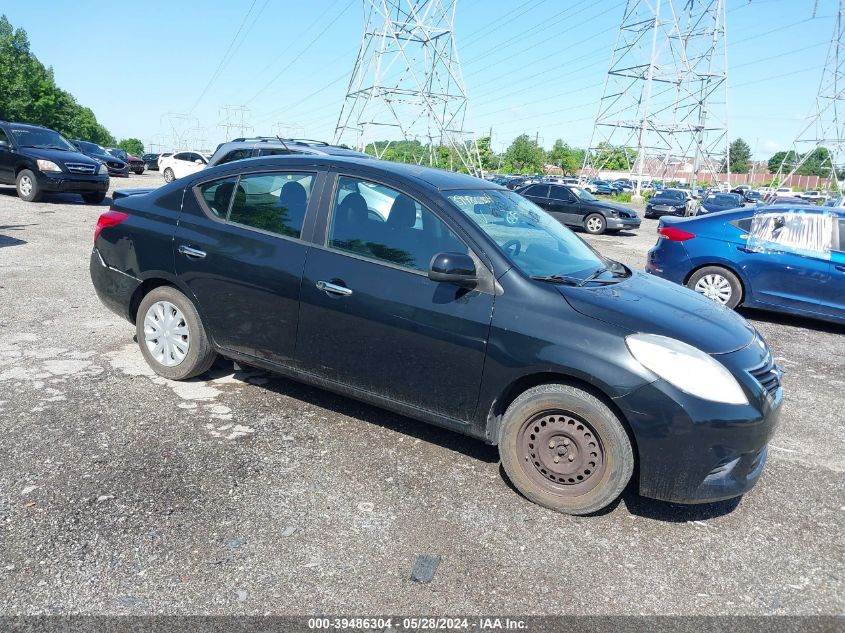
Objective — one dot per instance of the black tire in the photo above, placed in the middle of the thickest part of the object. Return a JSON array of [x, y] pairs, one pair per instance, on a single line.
[[27, 186], [138, 171], [595, 224], [594, 433], [200, 354], [715, 274], [94, 198], [169, 176]]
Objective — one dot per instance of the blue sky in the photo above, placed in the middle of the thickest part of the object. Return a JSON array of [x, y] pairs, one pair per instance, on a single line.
[[525, 68]]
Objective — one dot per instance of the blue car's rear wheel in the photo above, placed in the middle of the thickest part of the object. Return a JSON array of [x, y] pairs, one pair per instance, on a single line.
[[717, 283]]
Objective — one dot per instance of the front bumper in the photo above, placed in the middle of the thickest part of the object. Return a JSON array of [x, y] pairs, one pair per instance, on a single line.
[[72, 183], [119, 172], [623, 223], [695, 451]]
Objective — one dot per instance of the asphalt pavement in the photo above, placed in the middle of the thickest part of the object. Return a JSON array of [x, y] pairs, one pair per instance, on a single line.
[[124, 493]]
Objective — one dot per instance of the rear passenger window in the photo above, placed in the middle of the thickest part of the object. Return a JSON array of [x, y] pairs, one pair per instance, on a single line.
[[842, 235], [743, 225], [274, 152], [238, 154], [539, 191], [217, 195], [274, 202], [381, 223]]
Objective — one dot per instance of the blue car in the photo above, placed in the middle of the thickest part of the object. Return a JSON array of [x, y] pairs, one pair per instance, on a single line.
[[787, 259]]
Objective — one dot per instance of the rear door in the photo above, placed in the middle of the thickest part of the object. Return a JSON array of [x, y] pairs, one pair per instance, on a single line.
[[240, 248], [370, 317], [539, 195], [564, 205]]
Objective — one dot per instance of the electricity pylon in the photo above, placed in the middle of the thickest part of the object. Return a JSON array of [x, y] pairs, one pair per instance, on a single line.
[[823, 129], [235, 121], [665, 97], [407, 82]]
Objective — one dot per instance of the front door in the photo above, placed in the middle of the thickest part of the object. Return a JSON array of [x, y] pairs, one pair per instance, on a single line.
[[7, 159], [370, 317], [836, 295], [238, 249]]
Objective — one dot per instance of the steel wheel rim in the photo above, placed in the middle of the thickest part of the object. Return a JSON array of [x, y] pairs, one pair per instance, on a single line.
[[594, 224], [166, 334], [562, 453], [714, 286], [26, 185], [168, 175]]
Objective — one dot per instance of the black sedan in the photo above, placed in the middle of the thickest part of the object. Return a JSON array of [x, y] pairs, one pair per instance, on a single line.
[[666, 202], [408, 288], [115, 166], [151, 161], [574, 206], [720, 202]]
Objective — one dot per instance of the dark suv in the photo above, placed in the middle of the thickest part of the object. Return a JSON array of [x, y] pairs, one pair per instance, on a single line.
[[38, 160], [408, 288], [115, 166]]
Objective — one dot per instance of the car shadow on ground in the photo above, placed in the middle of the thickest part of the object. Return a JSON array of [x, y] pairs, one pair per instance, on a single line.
[[56, 198], [8, 240], [793, 320], [349, 407]]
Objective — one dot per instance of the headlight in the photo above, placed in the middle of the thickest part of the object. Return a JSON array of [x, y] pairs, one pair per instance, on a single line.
[[615, 214], [686, 367], [48, 165], [103, 171]]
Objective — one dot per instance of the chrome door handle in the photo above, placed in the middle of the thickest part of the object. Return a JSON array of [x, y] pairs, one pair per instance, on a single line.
[[325, 286], [194, 253]]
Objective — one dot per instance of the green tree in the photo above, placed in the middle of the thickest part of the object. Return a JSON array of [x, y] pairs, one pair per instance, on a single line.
[[788, 159], [569, 159], [489, 162], [523, 156], [132, 146], [29, 94], [614, 158], [739, 154]]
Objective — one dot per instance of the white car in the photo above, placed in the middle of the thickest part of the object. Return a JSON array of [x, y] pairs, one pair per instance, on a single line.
[[181, 164], [813, 196], [784, 192]]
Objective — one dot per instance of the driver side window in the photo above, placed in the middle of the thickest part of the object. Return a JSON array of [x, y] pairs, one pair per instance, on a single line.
[[380, 223]]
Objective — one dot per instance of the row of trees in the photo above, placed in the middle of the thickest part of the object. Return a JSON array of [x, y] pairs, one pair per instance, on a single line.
[[29, 94]]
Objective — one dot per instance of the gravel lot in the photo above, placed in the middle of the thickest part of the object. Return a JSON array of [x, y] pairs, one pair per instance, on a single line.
[[124, 493]]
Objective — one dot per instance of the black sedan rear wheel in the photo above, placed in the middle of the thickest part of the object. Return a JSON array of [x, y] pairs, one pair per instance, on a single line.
[[564, 449]]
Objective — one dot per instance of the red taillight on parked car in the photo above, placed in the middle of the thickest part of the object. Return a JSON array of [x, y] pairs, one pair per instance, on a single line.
[[109, 218], [675, 234]]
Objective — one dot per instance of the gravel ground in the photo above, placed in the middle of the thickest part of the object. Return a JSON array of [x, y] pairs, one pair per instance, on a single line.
[[123, 493]]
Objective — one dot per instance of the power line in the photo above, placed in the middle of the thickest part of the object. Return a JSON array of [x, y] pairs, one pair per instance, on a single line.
[[223, 59]]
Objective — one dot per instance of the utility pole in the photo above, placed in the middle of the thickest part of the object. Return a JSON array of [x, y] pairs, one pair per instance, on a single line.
[[407, 82], [665, 96], [824, 130]]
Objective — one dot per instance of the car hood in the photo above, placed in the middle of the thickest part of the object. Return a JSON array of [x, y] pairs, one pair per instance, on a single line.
[[610, 206], [58, 156], [644, 303]]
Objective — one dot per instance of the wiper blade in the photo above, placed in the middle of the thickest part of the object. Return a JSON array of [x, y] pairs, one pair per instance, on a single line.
[[594, 276], [557, 279]]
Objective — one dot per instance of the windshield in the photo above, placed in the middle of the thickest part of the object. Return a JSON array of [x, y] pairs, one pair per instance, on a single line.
[[92, 148], [583, 194], [674, 195], [42, 139], [534, 242]]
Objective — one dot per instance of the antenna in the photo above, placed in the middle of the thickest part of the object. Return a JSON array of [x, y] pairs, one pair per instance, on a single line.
[[407, 82]]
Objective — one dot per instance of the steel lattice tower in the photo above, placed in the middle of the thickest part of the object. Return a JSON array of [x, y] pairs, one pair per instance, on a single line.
[[824, 129], [664, 104], [407, 82]]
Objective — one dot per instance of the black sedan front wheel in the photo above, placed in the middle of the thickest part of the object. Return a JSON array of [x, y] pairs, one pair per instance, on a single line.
[[564, 449], [595, 224]]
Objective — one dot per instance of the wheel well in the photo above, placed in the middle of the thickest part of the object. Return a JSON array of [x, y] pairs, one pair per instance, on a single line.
[[523, 384], [142, 291], [718, 265]]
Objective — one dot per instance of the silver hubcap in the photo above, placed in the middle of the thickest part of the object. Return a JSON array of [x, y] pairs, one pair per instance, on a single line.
[[26, 185], [168, 175], [166, 333], [715, 287], [594, 224]]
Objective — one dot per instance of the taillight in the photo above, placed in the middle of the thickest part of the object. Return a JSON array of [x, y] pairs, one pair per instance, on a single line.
[[675, 234], [109, 218]]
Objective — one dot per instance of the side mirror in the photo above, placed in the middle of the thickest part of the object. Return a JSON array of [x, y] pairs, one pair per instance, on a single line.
[[4, 144], [454, 268]]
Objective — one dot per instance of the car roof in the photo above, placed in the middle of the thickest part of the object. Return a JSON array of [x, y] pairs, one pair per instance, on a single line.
[[31, 126], [430, 177]]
